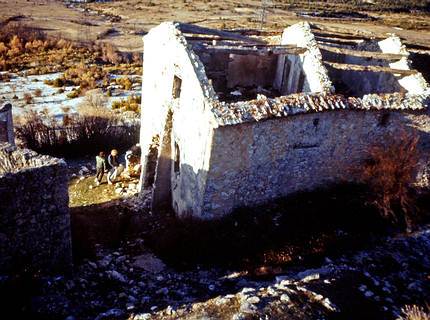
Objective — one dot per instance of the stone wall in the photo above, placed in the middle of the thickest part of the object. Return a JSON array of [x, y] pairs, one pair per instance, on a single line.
[[256, 162], [6, 124], [34, 212]]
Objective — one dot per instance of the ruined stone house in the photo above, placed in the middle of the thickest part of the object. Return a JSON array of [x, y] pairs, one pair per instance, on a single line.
[[235, 119]]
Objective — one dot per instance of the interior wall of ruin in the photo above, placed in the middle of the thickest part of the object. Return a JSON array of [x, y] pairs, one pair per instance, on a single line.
[[358, 83], [413, 83], [256, 162], [34, 206], [306, 72], [216, 66], [228, 71], [251, 70]]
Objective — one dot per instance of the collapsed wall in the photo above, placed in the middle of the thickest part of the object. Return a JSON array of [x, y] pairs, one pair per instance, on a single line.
[[34, 212]]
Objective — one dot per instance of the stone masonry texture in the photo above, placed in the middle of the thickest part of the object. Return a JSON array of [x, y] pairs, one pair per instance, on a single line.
[[34, 213]]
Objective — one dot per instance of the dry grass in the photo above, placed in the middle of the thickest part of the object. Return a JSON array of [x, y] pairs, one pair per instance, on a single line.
[[95, 127], [414, 313], [390, 174]]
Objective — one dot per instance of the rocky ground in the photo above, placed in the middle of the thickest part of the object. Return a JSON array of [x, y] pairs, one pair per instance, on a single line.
[[130, 282], [125, 279]]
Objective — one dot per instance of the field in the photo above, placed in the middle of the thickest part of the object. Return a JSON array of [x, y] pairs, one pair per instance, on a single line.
[[123, 22]]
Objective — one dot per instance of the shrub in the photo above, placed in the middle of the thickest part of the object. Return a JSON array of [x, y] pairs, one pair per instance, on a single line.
[[125, 83], [389, 173], [3, 48], [16, 46], [110, 54], [414, 313], [28, 98], [77, 134], [74, 93], [38, 92], [132, 103], [57, 83], [94, 100]]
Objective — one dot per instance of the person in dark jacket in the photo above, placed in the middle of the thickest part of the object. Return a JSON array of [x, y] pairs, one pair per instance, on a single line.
[[100, 167], [113, 164]]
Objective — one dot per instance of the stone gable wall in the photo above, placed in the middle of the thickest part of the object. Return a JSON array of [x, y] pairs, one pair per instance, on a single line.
[[34, 213], [167, 56]]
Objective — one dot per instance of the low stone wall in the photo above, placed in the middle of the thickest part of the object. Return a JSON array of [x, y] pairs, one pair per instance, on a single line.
[[34, 212]]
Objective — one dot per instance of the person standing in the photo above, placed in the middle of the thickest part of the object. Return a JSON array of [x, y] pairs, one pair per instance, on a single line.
[[113, 164], [100, 167]]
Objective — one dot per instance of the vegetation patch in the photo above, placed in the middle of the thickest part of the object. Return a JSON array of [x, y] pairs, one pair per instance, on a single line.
[[94, 127], [132, 103]]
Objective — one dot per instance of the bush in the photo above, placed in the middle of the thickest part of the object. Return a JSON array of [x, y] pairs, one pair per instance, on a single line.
[[132, 103], [57, 83], [28, 98], [414, 313], [389, 173], [125, 83], [38, 93], [110, 54], [16, 46], [74, 93], [95, 128]]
